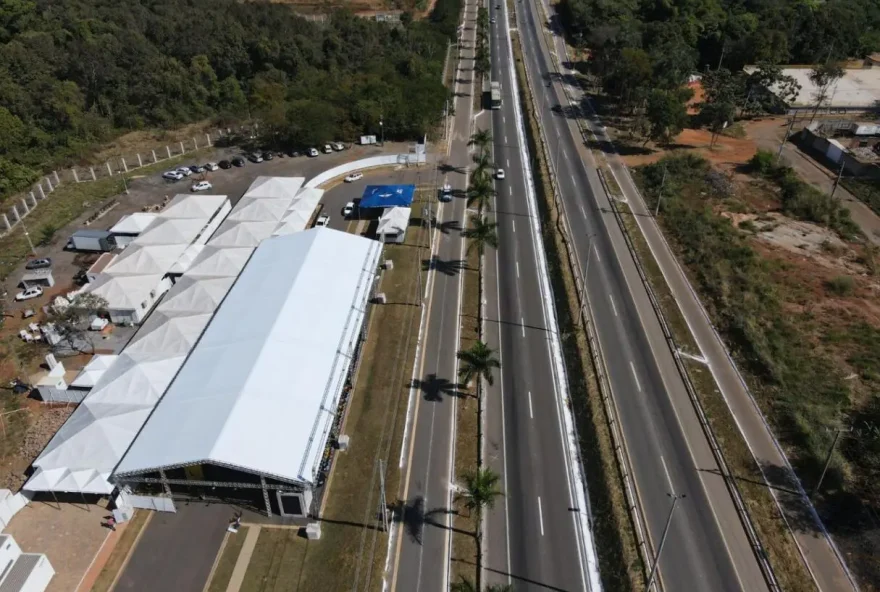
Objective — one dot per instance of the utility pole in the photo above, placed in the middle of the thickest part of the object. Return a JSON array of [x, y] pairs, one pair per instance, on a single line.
[[839, 177], [382, 130], [785, 138], [383, 502], [27, 235], [660, 193], [837, 433], [675, 497]]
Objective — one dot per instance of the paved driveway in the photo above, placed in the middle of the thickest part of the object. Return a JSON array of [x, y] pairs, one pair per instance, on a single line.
[[176, 551]]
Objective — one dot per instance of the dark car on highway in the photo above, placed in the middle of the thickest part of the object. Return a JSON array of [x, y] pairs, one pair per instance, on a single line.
[[238, 161], [224, 164]]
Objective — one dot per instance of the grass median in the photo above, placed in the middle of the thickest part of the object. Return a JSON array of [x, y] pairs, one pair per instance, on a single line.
[[620, 564], [351, 551], [772, 529]]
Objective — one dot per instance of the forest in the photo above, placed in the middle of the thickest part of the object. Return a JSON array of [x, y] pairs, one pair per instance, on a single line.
[[74, 73], [640, 48]]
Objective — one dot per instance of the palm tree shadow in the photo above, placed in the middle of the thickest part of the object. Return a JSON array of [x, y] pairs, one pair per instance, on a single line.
[[451, 267], [435, 387], [415, 517], [449, 227]]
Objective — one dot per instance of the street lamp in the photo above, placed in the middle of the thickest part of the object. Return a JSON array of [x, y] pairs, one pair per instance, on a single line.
[[675, 497], [382, 130], [584, 279]]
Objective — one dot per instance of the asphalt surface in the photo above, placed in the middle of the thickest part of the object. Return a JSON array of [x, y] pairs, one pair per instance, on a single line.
[[176, 550], [533, 539], [422, 538], [706, 548]]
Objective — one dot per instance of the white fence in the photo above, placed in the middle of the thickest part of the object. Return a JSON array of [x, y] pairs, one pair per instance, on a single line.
[[366, 163], [145, 502]]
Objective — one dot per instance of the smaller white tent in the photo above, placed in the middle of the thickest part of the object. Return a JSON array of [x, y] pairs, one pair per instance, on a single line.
[[133, 223], [168, 333], [242, 234], [275, 187], [124, 291], [258, 209], [93, 371], [393, 224], [136, 379], [186, 205], [193, 295], [145, 259], [300, 212], [219, 262], [171, 231]]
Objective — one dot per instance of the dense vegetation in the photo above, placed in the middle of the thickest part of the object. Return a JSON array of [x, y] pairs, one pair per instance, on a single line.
[[76, 72], [813, 368]]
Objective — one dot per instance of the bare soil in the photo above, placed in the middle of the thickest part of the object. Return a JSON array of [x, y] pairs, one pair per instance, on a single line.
[[727, 153]]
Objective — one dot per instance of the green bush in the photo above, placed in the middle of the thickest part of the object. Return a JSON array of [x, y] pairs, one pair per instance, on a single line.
[[842, 285], [763, 162]]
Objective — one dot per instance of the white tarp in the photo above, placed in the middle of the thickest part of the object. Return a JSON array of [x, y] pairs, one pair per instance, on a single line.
[[260, 388]]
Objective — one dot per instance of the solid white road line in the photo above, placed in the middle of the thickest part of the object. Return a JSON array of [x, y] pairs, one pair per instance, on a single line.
[[531, 415], [583, 213], [614, 308], [540, 516], [513, 223], [573, 182], [522, 325], [508, 163], [668, 480], [636, 378], [596, 251], [505, 140], [509, 190], [517, 269]]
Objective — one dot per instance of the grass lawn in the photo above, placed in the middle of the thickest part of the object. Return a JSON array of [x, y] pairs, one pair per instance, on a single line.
[[121, 551], [351, 551], [226, 564], [64, 205]]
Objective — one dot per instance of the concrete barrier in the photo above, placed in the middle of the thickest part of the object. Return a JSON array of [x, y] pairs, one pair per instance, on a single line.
[[364, 163]]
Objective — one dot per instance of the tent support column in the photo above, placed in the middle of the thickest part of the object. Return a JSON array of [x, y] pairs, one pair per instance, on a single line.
[[265, 496], [164, 480]]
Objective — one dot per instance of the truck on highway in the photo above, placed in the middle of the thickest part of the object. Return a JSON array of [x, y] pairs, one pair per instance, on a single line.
[[495, 92], [92, 240]]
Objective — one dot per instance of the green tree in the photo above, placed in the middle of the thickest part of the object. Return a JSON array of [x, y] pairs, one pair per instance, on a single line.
[[480, 489], [716, 116], [824, 76], [482, 139], [630, 76], [72, 322], [477, 362], [480, 234], [480, 192], [482, 168], [667, 114]]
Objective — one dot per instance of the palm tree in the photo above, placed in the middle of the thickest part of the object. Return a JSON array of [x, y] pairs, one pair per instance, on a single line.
[[480, 192], [478, 361], [480, 492], [481, 139], [465, 585], [482, 166], [481, 233]]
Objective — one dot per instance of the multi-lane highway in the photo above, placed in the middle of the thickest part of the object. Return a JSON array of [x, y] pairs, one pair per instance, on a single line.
[[707, 548], [536, 536]]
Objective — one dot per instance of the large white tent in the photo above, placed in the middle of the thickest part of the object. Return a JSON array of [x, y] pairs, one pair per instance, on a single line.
[[233, 233], [275, 187], [219, 261], [124, 291], [194, 295], [139, 259], [260, 389], [299, 212]]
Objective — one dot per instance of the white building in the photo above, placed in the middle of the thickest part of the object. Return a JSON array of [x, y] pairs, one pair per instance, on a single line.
[[393, 224]]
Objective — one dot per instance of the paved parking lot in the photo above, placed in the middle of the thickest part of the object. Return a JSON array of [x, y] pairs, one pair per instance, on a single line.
[[150, 190]]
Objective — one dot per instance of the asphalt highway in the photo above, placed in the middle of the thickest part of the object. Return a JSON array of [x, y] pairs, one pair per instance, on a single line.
[[534, 539], [706, 548]]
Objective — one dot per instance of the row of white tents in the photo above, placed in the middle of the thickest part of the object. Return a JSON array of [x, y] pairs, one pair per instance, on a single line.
[[83, 453]]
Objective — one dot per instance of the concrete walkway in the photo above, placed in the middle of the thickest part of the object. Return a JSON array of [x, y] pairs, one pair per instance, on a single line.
[[244, 559]]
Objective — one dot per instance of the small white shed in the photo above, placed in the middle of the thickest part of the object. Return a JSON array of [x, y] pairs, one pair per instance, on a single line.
[[393, 224]]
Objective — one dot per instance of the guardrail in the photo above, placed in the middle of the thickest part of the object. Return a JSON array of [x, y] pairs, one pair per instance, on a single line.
[[621, 453], [730, 481]]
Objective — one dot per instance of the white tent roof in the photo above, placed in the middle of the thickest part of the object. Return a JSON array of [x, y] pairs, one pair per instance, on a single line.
[[94, 370], [187, 205], [195, 295], [259, 209], [169, 333], [126, 292], [137, 378], [393, 221], [219, 262], [242, 234], [186, 259], [145, 259], [275, 187], [299, 213], [171, 231], [256, 390], [133, 223]]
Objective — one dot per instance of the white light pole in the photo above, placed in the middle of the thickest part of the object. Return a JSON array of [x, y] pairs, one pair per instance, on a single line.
[[27, 235], [675, 497], [382, 130]]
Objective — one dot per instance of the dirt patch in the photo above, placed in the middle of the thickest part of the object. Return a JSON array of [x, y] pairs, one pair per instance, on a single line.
[[726, 153], [142, 141]]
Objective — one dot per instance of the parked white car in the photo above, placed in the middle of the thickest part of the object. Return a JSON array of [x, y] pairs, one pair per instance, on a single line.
[[499, 174], [172, 176], [313, 152], [34, 292], [348, 209], [201, 186], [338, 146], [185, 171], [323, 220], [328, 149], [212, 166], [354, 177]]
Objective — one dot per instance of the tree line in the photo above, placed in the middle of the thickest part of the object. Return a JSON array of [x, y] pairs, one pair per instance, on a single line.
[[76, 73]]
